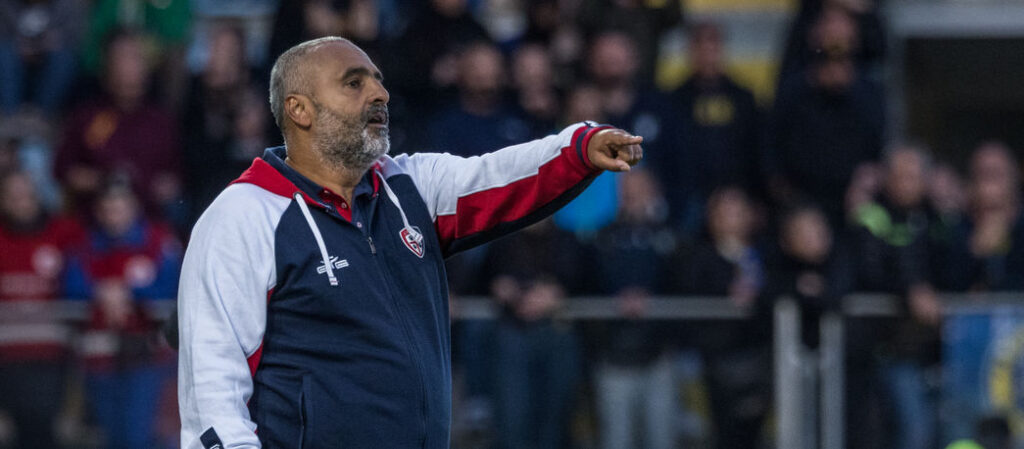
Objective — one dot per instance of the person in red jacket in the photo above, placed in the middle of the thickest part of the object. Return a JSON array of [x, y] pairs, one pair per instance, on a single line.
[[126, 265], [121, 134], [33, 339]]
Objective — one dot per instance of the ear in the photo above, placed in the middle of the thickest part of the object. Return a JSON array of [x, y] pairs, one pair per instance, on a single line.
[[299, 109]]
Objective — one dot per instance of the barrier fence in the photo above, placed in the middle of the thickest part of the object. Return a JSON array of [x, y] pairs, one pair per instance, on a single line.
[[808, 385]]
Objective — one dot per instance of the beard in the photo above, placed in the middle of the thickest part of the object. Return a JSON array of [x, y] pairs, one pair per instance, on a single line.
[[346, 143]]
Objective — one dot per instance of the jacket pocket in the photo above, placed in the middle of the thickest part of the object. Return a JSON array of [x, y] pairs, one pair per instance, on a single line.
[[305, 414]]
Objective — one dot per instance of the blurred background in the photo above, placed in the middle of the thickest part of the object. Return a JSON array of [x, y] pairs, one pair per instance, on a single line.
[[824, 246]]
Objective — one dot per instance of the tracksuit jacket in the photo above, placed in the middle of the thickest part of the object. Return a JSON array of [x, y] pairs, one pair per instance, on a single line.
[[306, 322]]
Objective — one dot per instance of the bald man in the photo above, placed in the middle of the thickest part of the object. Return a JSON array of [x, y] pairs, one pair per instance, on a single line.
[[313, 306]]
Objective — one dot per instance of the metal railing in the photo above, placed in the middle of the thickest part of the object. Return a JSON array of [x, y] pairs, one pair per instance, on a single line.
[[809, 386], [808, 422]]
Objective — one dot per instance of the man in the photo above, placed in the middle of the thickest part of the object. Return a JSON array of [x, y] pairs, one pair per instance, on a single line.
[[480, 119], [313, 305], [821, 128], [34, 342], [891, 250], [120, 134], [719, 120]]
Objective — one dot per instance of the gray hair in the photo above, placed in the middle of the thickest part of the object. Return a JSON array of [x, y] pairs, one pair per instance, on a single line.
[[288, 77]]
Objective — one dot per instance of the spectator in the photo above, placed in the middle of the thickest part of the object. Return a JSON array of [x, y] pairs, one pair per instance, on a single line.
[[597, 206], [431, 45], [26, 143], [989, 248], [834, 27], [720, 129], [822, 127], [644, 22], [297, 22], [34, 343], [127, 263], [536, 94], [481, 120], [120, 134], [947, 197], [634, 381], [536, 356], [553, 22], [892, 255], [226, 118], [946, 191], [41, 36], [805, 267], [166, 29], [626, 103], [737, 356]]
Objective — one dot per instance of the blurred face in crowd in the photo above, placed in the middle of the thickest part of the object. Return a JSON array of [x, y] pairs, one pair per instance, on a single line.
[[481, 70], [906, 177], [994, 177], [116, 211], [449, 8], [350, 127], [18, 201], [323, 18], [639, 197], [532, 68], [613, 59], [730, 216], [835, 32], [227, 57], [583, 103], [806, 236], [706, 50], [127, 71]]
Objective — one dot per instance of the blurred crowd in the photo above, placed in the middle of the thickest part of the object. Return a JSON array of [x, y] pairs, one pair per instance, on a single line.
[[120, 120]]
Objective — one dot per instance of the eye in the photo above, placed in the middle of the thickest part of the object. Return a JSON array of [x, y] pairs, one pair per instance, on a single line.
[[355, 83]]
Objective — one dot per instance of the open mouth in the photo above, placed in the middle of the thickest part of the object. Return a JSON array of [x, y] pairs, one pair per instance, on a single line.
[[378, 118]]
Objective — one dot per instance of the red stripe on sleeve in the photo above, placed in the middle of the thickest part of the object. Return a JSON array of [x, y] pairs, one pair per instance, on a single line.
[[254, 359], [483, 210]]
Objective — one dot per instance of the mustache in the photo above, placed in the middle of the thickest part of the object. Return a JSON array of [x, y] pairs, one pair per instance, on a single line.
[[376, 110]]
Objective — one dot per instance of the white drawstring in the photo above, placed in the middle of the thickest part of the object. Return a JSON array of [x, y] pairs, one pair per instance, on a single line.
[[416, 234], [319, 238]]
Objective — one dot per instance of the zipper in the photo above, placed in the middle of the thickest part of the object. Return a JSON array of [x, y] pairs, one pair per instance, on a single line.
[[404, 323]]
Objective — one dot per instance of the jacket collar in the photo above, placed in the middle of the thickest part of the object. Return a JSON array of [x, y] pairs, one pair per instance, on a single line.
[[271, 173]]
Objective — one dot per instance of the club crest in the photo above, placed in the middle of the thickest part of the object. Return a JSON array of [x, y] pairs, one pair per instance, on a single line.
[[413, 239]]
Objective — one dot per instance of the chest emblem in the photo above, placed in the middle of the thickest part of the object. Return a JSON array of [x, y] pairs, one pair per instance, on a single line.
[[413, 239], [336, 264]]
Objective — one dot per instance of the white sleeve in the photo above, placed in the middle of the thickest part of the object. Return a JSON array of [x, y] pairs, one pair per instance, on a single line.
[[490, 195], [227, 273]]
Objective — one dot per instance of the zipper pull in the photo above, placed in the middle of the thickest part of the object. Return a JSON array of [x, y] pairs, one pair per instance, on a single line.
[[373, 249]]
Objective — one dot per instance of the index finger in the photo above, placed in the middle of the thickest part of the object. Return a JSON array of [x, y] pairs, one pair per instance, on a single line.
[[621, 137], [625, 138]]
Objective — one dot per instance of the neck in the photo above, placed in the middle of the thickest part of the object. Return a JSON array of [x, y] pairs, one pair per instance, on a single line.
[[340, 180]]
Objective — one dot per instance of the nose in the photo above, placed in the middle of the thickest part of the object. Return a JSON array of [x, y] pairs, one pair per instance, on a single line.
[[380, 94]]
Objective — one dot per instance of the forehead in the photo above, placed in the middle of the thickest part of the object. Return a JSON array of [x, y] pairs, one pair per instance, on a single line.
[[335, 58]]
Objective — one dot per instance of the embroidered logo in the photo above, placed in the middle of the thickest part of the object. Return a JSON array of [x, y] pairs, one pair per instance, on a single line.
[[335, 264], [210, 440], [413, 239]]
